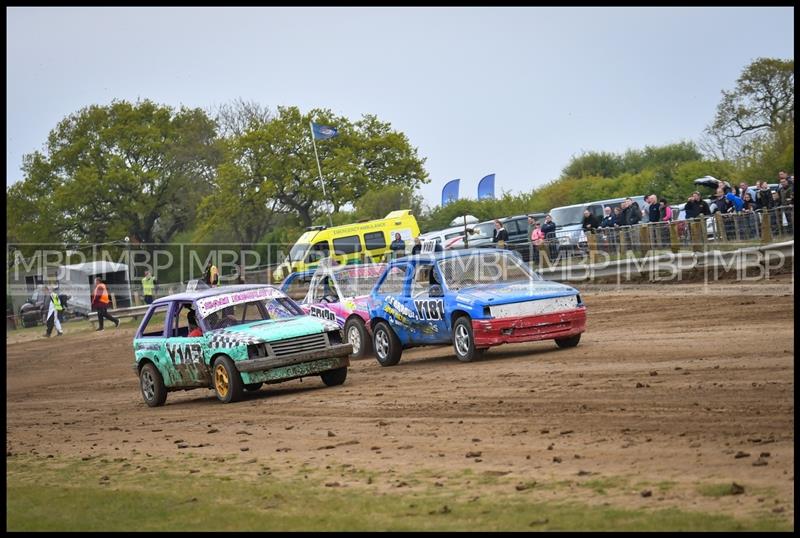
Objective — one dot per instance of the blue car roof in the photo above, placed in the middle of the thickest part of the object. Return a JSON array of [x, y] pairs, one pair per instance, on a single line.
[[208, 292], [447, 254]]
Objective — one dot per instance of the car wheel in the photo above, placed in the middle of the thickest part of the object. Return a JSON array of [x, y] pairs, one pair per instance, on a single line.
[[386, 344], [152, 384], [228, 384], [334, 377], [355, 332], [463, 340], [572, 341], [252, 387]]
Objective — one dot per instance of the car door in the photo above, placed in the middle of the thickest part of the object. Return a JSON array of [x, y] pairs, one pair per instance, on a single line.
[[150, 343], [186, 353], [426, 302]]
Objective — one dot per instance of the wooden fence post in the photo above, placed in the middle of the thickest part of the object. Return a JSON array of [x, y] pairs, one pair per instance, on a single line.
[[674, 243], [766, 228], [591, 240], [721, 235]]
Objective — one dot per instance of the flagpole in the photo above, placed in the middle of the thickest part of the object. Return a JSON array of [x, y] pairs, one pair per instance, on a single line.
[[319, 167]]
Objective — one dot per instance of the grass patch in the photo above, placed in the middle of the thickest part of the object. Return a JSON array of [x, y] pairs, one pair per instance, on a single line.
[[715, 490], [601, 485], [57, 494]]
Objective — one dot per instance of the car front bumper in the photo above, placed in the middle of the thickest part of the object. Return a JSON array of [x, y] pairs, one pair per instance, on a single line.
[[493, 332], [268, 363]]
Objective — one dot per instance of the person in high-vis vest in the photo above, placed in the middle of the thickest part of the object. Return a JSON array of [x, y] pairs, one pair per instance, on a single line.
[[53, 305], [100, 302], [148, 287], [212, 275]]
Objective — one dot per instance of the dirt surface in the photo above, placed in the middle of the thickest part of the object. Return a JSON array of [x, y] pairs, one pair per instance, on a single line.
[[668, 386]]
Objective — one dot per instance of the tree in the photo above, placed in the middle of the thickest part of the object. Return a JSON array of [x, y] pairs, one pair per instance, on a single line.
[[365, 155], [125, 169], [376, 204], [761, 102]]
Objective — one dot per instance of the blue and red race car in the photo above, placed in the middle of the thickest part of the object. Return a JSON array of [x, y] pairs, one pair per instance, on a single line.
[[474, 299]]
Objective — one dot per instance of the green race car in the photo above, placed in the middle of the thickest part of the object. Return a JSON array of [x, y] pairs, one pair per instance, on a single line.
[[233, 339]]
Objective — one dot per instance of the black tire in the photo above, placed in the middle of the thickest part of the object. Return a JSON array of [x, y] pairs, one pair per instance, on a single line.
[[572, 341], [354, 327], [386, 344], [464, 341], [334, 377], [226, 380], [252, 387], [152, 385]]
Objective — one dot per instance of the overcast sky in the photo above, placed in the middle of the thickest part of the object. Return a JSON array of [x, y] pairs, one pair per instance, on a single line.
[[514, 91]]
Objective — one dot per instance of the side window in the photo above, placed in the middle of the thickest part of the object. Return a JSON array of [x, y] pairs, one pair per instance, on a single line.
[[324, 287], [180, 322], [596, 210], [347, 245], [318, 250], [422, 280], [511, 227], [375, 240], [393, 283], [156, 322]]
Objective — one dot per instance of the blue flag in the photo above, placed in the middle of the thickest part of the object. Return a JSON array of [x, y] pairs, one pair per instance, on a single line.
[[486, 187], [450, 192], [323, 132]]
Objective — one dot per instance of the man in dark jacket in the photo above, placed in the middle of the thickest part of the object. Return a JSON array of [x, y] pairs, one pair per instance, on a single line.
[[589, 224], [696, 206], [631, 214], [654, 209]]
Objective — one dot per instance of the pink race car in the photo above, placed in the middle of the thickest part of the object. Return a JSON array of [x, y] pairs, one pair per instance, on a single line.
[[340, 294]]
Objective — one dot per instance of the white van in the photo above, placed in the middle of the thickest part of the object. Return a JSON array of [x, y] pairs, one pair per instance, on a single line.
[[569, 218]]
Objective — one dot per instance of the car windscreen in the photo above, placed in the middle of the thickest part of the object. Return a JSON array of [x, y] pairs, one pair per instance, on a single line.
[[248, 312], [565, 216], [298, 252], [356, 281], [484, 268]]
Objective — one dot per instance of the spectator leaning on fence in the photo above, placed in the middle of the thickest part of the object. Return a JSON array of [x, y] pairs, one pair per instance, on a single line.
[[653, 209], [764, 195], [631, 213], [736, 203], [664, 210], [786, 191], [609, 221], [618, 216], [750, 205], [549, 227], [589, 224]]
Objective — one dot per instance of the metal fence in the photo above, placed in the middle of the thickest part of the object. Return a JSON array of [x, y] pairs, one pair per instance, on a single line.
[[696, 235]]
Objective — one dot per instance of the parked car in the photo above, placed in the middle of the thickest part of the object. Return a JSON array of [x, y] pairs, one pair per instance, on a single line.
[[32, 312], [481, 236], [340, 294], [471, 298], [250, 334]]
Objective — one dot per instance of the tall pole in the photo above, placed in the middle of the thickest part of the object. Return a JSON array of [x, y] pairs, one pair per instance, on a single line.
[[466, 234], [311, 127]]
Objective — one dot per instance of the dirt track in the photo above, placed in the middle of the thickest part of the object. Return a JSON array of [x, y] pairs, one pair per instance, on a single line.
[[667, 384]]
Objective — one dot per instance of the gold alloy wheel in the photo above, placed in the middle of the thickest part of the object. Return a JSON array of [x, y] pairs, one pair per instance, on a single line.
[[221, 380]]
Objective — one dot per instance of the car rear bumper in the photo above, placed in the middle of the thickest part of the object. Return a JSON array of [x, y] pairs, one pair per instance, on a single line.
[[493, 332]]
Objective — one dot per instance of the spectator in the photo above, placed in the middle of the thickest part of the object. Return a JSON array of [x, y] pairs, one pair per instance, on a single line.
[[100, 302], [720, 201], [549, 231], [631, 213], [736, 203], [537, 238], [653, 209], [609, 220], [743, 188], [618, 216], [589, 224], [786, 191], [692, 208], [417, 246], [531, 224], [148, 287], [764, 195], [499, 234], [749, 204], [782, 175], [664, 211], [398, 246], [776, 198]]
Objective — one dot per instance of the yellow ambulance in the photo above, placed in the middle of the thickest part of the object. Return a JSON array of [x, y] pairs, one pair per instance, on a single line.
[[349, 243]]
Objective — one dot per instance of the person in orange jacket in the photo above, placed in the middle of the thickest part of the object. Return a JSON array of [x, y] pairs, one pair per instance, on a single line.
[[100, 302]]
